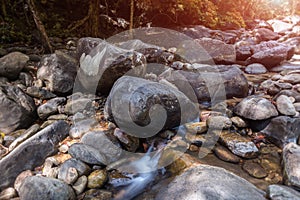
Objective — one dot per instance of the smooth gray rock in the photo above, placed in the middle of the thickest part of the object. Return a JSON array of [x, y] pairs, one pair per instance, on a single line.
[[58, 71], [12, 64], [87, 154], [78, 129], [282, 192], [285, 105], [206, 182], [17, 109], [50, 107], [110, 149], [291, 160], [255, 108], [38, 187], [152, 106], [255, 68], [283, 130], [32, 152]]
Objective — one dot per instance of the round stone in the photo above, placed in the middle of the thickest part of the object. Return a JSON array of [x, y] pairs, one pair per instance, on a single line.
[[285, 105], [97, 179], [256, 68]]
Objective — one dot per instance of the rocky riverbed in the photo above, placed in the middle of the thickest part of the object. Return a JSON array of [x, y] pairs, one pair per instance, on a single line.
[[84, 122]]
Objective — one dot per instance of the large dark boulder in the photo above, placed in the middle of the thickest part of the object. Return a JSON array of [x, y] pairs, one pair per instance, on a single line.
[[143, 106], [270, 53], [17, 109], [102, 63]]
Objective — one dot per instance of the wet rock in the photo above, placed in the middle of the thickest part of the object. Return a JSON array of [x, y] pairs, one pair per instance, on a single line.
[[219, 122], [87, 154], [94, 194], [239, 145], [32, 152], [80, 185], [282, 130], [238, 122], [225, 155], [37, 187], [17, 109], [255, 108], [97, 179], [104, 145], [8, 193], [50, 107], [39, 93], [221, 52], [281, 192], [141, 95], [102, 63], [256, 68], [231, 77], [285, 105], [254, 169], [208, 182], [291, 160], [270, 54], [283, 85], [58, 71], [12, 64]]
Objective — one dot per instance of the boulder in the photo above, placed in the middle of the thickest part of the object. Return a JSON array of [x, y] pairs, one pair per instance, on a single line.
[[264, 34], [32, 152], [270, 53], [102, 63], [144, 107], [219, 81], [58, 71], [38, 187], [283, 130], [17, 109], [12, 64], [255, 108], [221, 52], [208, 182]]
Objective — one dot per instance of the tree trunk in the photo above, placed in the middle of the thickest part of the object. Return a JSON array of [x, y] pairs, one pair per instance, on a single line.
[[46, 42]]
